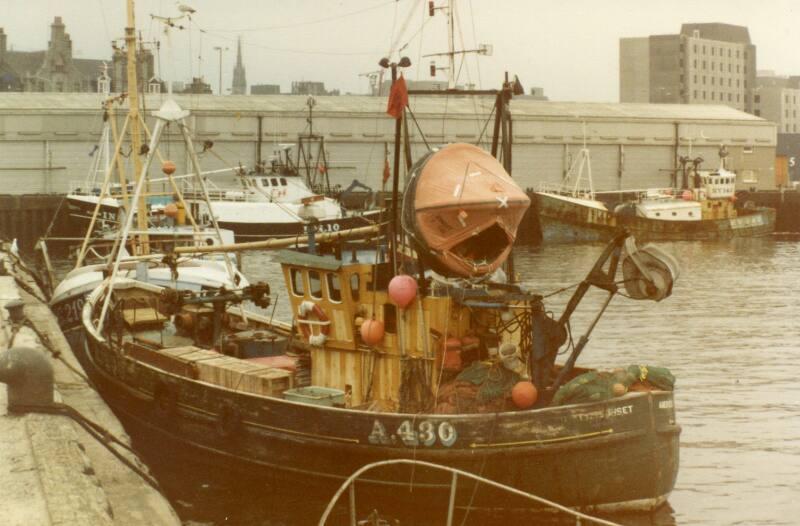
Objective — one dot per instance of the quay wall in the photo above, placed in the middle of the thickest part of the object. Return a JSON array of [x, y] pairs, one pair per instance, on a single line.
[[27, 217], [48, 141], [54, 472]]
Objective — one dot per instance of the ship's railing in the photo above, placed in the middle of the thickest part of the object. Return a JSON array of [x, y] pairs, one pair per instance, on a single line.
[[557, 188], [349, 485]]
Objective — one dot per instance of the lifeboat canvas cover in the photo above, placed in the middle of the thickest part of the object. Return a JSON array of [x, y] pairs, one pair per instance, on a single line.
[[464, 209]]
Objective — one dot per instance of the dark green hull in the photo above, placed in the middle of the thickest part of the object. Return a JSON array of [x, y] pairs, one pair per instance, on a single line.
[[564, 222], [616, 455]]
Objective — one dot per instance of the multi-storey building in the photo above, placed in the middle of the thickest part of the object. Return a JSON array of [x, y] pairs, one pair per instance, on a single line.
[[704, 64], [777, 99]]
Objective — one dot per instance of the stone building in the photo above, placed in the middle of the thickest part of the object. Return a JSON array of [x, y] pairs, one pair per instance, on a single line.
[[54, 69], [309, 87], [704, 64], [145, 69], [265, 89], [239, 86]]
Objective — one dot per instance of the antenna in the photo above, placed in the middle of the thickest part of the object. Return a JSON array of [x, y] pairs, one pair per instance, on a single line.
[[482, 49], [372, 77]]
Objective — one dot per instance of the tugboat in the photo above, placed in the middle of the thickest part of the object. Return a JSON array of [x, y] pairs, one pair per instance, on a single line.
[[702, 210], [430, 354]]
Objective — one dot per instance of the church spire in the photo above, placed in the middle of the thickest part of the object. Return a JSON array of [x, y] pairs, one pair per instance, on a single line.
[[239, 78]]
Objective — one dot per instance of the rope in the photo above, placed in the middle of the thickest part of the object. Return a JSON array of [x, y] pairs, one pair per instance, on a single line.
[[55, 216], [96, 431], [55, 352], [480, 472]]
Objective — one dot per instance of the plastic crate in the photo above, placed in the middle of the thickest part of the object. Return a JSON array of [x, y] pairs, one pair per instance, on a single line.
[[314, 395]]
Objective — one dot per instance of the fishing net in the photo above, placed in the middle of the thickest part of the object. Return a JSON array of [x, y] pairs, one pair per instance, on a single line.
[[480, 388], [596, 386]]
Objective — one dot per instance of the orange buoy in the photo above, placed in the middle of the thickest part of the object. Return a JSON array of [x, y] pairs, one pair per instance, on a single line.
[[687, 195], [619, 389], [171, 210], [402, 290], [168, 167], [372, 332], [524, 394]]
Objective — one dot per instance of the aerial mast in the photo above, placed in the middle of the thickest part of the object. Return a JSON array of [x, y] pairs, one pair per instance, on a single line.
[[133, 101], [482, 49]]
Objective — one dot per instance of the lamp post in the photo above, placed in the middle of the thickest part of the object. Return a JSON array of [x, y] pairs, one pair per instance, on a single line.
[[220, 49]]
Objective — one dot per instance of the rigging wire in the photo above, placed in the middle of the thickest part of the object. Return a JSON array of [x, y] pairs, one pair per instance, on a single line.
[[284, 50], [310, 22]]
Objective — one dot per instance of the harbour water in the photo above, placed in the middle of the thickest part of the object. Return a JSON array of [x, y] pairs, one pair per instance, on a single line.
[[730, 335]]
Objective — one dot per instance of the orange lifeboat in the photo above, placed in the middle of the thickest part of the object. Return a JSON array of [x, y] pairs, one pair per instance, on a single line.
[[463, 210]]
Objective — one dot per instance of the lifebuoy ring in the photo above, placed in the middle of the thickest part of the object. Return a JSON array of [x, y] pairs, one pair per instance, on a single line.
[[304, 321]]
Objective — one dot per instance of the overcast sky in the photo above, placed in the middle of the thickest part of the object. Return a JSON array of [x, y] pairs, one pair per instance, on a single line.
[[568, 47]]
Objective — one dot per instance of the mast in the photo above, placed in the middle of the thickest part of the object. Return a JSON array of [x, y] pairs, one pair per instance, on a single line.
[[133, 102], [451, 47]]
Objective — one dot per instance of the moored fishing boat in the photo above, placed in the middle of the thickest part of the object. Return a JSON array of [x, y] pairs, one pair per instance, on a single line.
[[146, 251], [704, 212], [387, 359]]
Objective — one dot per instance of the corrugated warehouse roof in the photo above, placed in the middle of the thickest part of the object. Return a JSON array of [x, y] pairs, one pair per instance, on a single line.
[[365, 105]]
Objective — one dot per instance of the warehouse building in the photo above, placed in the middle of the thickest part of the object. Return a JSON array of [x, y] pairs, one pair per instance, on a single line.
[[47, 140]]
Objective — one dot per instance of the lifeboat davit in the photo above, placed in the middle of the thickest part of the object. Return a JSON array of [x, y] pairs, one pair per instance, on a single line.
[[463, 210]]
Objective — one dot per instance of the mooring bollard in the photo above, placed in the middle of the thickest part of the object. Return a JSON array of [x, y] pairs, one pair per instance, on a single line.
[[29, 375]]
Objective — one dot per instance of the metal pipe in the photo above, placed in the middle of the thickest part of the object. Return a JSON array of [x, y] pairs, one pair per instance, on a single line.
[[323, 237], [129, 219], [452, 504]]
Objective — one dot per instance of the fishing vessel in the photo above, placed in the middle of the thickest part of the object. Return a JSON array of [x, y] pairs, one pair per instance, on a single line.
[[702, 210], [144, 252], [273, 202], [430, 353], [286, 196]]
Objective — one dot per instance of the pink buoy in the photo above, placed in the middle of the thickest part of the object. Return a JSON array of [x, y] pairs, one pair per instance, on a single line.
[[372, 332], [524, 394], [402, 290], [687, 195]]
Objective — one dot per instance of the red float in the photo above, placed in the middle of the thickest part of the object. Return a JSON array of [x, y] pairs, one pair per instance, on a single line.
[[524, 394], [402, 290], [168, 167], [372, 332]]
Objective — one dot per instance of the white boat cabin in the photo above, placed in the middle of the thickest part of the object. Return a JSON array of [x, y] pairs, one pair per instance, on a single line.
[[720, 184]]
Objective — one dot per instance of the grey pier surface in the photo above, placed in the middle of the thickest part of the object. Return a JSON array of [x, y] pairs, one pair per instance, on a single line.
[[53, 472]]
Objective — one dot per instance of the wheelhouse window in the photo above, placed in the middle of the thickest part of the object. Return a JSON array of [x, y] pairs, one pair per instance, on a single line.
[[283, 181], [355, 284], [334, 288], [298, 287], [390, 318], [314, 284], [264, 181], [274, 181]]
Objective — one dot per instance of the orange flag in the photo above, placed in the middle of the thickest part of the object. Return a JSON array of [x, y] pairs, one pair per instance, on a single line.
[[386, 171], [398, 98]]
